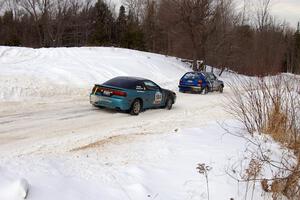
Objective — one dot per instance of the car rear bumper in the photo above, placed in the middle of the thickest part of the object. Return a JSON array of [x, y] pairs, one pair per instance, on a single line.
[[184, 88], [110, 102]]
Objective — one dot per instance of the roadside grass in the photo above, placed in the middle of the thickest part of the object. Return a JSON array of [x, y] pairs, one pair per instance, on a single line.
[[270, 106]]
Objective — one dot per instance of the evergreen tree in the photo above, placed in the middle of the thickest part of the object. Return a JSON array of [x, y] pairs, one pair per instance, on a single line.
[[102, 24], [150, 25], [9, 30], [134, 36], [121, 26]]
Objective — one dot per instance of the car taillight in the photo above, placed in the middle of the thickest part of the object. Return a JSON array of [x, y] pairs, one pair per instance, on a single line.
[[119, 93], [199, 82], [95, 89]]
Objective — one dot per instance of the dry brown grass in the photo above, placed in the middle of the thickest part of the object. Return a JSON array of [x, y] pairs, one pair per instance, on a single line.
[[253, 170], [276, 125], [271, 106]]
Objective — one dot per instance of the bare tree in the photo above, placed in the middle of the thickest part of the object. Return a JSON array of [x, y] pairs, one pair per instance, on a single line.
[[191, 20], [31, 7], [211, 30], [262, 11], [220, 40], [150, 24], [11, 5], [1, 5], [136, 7]]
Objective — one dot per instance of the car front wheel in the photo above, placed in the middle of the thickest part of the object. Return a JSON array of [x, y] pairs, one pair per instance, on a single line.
[[221, 89], [136, 107], [205, 90], [169, 104]]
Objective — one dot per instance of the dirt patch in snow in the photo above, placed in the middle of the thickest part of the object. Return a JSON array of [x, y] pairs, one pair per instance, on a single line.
[[112, 140], [11, 138]]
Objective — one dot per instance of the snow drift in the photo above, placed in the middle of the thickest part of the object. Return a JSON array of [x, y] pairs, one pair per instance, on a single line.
[[17, 190], [28, 73]]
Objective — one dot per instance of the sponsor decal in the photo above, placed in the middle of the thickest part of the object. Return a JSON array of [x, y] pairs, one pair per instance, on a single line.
[[138, 87], [158, 98]]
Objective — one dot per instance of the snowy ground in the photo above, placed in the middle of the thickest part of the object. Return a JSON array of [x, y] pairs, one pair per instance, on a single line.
[[65, 149]]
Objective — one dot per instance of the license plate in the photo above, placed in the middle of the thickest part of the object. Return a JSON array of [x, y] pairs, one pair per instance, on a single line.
[[95, 98], [190, 81], [106, 93], [105, 100]]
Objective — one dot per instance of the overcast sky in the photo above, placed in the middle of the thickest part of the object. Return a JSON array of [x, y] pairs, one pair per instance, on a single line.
[[287, 9]]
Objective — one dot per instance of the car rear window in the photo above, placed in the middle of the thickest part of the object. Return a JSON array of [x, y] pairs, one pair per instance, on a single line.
[[191, 76], [122, 82]]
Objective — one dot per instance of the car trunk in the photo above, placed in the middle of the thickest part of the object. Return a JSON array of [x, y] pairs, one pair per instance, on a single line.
[[108, 91], [189, 82]]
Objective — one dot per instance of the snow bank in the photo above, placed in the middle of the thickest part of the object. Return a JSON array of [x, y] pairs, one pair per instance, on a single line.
[[153, 166], [26, 73], [17, 190]]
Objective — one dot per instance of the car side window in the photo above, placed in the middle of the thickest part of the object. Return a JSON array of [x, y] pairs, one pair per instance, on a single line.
[[150, 85], [211, 77]]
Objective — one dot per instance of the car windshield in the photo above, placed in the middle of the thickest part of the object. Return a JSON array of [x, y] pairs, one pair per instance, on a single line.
[[122, 82], [191, 76]]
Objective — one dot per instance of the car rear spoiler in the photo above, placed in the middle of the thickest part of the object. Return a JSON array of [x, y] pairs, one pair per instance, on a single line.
[[97, 86]]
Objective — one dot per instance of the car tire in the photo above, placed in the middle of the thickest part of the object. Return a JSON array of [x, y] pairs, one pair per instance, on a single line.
[[205, 90], [169, 104], [136, 107], [221, 89], [99, 107]]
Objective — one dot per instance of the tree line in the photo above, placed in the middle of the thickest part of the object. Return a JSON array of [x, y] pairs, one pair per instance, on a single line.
[[248, 40]]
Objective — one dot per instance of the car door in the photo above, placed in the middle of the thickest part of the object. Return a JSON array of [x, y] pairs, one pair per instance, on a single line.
[[154, 96], [215, 82], [212, 79]]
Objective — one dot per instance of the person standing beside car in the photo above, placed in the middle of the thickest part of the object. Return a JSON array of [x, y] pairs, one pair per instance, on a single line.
[[201, 65]]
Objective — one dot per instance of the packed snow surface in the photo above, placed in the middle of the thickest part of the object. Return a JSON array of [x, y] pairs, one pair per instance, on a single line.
[[55, 145]]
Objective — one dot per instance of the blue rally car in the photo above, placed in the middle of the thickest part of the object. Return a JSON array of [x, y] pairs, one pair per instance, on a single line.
[[131, 94], [200, 82]]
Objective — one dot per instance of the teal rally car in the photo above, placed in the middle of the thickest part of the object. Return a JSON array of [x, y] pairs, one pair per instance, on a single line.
[[131, 94]]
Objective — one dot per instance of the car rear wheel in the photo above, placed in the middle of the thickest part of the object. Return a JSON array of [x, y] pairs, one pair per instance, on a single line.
[[136, 107], [96, 106], [169, 104], [221, 89]]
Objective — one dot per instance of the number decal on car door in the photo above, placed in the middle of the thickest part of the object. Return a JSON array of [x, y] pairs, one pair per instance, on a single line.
[[158, 98]]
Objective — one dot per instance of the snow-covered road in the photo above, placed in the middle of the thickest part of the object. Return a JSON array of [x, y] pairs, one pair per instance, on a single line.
[[31, 124]]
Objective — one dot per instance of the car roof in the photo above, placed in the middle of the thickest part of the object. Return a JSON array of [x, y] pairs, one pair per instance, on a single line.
[[200, 72], [207, 72], [194, 73], [131, 78]]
